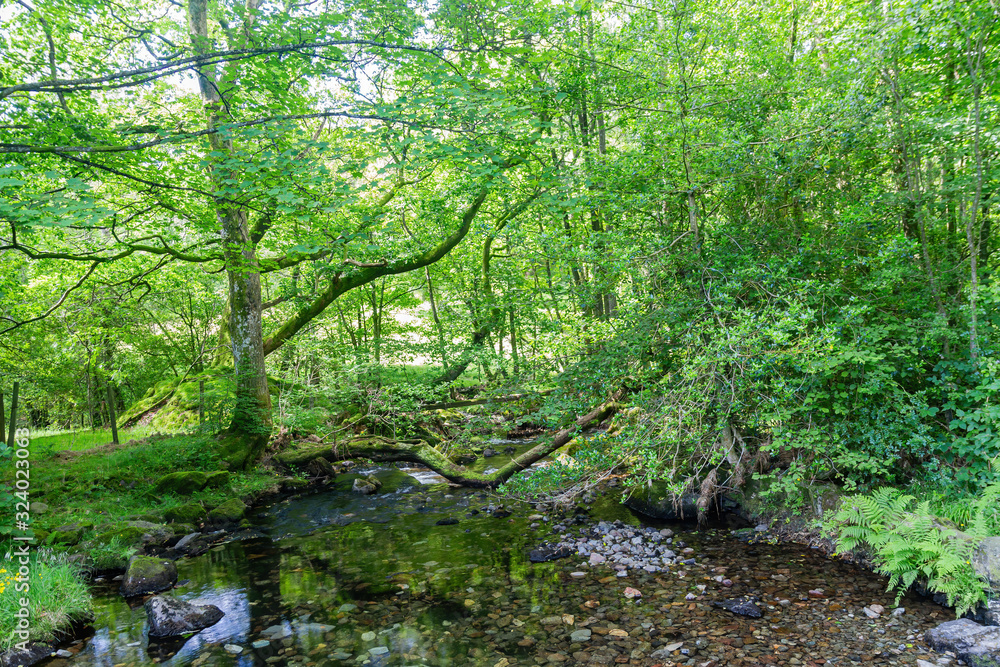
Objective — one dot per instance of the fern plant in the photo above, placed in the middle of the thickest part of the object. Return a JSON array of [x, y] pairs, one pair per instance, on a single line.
[[909, 543]]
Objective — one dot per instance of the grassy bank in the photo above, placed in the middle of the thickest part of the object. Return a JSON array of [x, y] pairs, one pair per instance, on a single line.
[[82, 502], [57, 592], [108, 485]]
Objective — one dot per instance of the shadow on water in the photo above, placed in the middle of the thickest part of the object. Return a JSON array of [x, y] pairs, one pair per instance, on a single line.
[[374, 580]]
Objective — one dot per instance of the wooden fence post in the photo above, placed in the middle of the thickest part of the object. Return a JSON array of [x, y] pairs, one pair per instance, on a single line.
[[13, 415], [111, 413]]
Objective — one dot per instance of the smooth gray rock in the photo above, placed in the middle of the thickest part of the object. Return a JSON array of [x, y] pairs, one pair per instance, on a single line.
[[185, 541], [986, 561], [977, 645], [580, 636], [169, 617], [276, 632]]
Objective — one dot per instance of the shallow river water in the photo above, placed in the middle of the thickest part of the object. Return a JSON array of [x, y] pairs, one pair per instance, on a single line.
[[333, 578]]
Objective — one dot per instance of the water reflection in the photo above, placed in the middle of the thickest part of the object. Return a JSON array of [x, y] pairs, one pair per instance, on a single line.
[[374, 580]]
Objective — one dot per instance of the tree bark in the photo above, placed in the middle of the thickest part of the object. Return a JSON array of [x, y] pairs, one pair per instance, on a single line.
[[251, 420], [385, 450]]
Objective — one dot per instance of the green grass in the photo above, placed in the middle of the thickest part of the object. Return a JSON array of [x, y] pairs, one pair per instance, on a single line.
[[109, 487], [57, 596], [48, 441]]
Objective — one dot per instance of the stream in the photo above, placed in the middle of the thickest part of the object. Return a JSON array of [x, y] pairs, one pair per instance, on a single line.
[[334, 578]]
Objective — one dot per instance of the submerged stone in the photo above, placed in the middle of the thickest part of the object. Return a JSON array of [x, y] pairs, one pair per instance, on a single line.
[[169, 617], [743, 606], [547, 552]]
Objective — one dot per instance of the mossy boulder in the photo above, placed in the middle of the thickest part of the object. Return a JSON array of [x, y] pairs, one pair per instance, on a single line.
[[181, 529], [657, 501], [148, 575], [366, 486], [987, 561], [65, 535], [462, 456], [188, 513], [217, 480], [126, 535], [182, 483], [231, 511], [294, 484]]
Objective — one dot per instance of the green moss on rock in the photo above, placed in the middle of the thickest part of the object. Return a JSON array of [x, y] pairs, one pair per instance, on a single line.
[[231, 511], [65, 535], [217, 480], [182, 483], [148, 575], [188, 513]]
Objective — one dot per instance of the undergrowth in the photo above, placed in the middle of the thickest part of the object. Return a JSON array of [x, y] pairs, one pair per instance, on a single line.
[[910, 544], [56, 590]]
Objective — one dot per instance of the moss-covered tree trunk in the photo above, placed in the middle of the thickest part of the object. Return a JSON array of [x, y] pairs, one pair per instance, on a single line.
[[386, 450], [250, 427]]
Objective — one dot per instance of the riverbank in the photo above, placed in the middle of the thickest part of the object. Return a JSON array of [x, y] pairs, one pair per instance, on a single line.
[[314, 549]]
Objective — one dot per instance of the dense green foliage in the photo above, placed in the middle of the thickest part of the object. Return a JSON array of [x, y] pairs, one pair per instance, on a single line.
[[766, 228], [910, 544]]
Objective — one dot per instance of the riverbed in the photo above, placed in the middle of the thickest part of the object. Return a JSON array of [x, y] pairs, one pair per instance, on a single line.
[[334, 578]]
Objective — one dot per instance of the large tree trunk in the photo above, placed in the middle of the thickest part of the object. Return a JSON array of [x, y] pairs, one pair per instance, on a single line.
[[386, 450], [250, 427], [251, 422]]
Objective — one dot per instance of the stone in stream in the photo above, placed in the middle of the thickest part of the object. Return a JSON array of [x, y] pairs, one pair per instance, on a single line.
[[366, 486], [976, 644], [489, 453], [547, 552], [169, 617], [450, 521], [580, 636], [148, 575], [276, 632], [657, 501], [742, 606]]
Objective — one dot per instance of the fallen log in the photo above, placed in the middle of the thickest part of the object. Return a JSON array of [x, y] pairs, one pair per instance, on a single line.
[[386, 450], [482, 401]]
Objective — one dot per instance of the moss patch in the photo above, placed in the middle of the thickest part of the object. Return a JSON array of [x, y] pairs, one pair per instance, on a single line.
[[189, 513], [231, 511], [217, 480], [182, 483]]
